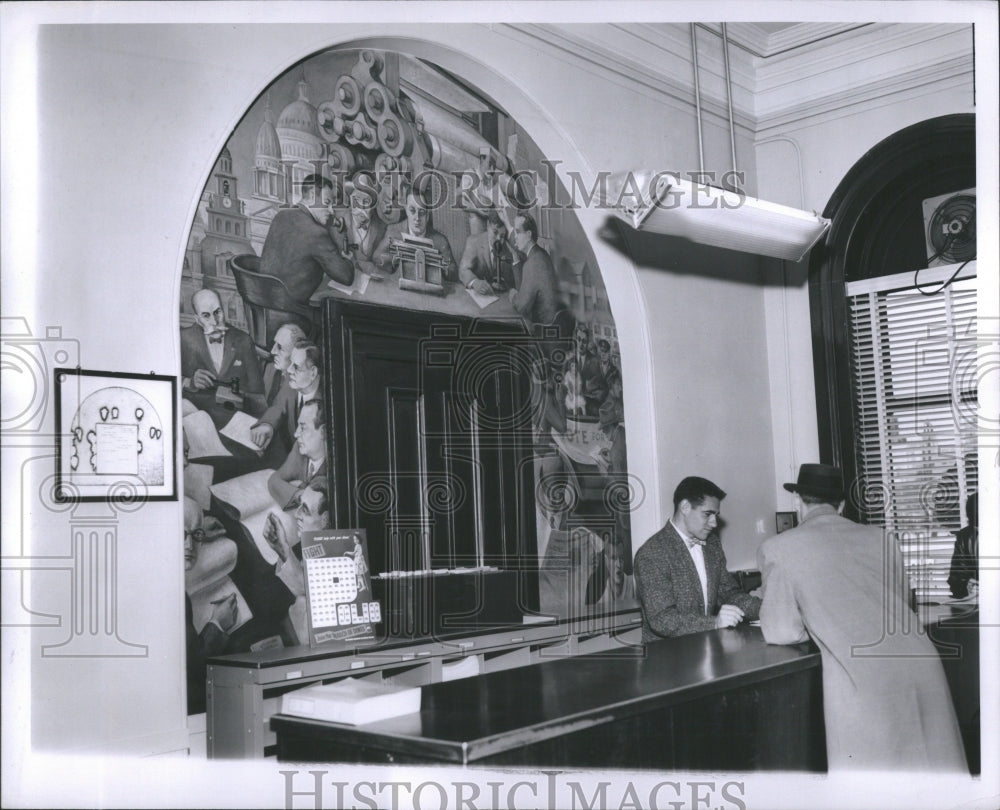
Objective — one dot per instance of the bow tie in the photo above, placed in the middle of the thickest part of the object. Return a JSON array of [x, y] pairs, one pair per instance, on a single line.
[[691, 543], [216, 338]]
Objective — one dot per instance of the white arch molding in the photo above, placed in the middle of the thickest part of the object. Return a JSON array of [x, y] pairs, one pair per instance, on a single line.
[[620, 278]]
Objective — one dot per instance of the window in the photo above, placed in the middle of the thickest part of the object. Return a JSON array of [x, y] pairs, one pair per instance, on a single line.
[[913, 374]]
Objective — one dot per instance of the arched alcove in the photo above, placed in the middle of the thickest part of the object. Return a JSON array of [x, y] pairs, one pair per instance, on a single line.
[[336, 130]]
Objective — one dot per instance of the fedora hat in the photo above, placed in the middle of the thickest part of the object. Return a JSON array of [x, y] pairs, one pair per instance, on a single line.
[[823, 480]]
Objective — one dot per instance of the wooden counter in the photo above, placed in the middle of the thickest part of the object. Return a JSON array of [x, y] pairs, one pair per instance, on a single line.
[[243, 690], [721, 700]]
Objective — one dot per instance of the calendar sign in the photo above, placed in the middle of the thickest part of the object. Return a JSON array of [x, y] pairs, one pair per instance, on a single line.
[[338, 586]]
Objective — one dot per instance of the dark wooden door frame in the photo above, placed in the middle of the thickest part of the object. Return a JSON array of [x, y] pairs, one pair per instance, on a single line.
[[932, 157]]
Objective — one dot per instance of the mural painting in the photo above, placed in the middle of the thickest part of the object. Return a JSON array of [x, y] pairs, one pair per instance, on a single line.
[[377, 177]]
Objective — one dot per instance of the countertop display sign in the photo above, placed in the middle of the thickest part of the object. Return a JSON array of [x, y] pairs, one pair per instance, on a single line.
[[338, 586]]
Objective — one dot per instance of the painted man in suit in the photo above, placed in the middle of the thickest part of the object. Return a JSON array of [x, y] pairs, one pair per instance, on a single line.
[[487, 258], [285, 338], [311, 514], [213, 353], [306, 460], [681, 573], [886, 702], [536, 296], [362, 228], [303, 246], [416, 224], [303, 380]]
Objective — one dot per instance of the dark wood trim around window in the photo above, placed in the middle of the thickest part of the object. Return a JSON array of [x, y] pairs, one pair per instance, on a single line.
[[877, 230]]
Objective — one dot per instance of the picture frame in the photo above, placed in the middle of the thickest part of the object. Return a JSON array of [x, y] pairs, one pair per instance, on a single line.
[[116, 436], [783, 521]]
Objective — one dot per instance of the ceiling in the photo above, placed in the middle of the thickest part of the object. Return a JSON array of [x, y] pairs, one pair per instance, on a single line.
[[767, 39]]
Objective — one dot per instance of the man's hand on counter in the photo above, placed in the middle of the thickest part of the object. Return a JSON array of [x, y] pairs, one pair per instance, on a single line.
[[729, 616]]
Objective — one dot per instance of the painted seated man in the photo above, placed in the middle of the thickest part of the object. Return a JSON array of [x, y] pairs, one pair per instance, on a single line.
[[213, 353], [303, 380], [360, 224], [276, 371], [487, 264], [307, 458], [303, 247], [536, 297], [417, 223], [311, 514]]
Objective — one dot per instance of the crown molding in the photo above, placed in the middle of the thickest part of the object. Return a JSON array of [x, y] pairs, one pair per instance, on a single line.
[[956, 75], [861, 44], [846, 65], [763, 44], [601, 49], [859, 66]]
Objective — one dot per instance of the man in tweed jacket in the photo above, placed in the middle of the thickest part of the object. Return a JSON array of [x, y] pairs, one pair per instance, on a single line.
[[681, 573]]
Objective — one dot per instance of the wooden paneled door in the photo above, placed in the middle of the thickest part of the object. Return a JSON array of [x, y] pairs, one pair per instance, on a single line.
[[430, 436]]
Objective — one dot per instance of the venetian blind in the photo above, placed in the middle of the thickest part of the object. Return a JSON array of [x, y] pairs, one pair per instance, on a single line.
[[914, 377]]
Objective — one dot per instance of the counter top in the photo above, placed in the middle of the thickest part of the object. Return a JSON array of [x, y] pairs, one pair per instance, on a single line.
[[468, 720]]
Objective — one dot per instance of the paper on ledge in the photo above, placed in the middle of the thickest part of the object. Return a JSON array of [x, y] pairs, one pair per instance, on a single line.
[[359, 285], [202, 437], [482, 301], [238, 429]]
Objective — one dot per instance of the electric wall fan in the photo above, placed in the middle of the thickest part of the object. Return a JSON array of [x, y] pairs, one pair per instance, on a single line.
[[950, 228]]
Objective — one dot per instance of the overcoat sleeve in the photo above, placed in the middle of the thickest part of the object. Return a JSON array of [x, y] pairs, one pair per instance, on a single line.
[[780, 619]]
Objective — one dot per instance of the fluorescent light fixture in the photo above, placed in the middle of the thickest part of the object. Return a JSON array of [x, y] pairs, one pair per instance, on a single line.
[[667, 203]]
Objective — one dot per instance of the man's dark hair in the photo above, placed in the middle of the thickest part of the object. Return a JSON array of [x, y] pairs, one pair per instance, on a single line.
[[493, 218], [529, 225], [694, 490], [320, 484], [603, 345], [316, 182], [813, 500], [407, 190], [320, 419]]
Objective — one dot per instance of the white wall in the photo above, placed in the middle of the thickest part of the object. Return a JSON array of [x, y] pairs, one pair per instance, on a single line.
[[130, 121], [816, 124]]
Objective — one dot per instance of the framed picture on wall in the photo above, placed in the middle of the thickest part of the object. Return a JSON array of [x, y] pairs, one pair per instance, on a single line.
[[783, 521], [115, 436]]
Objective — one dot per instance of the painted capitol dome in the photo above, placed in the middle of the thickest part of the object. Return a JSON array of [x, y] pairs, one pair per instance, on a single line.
[[298, 129], [268, 145]]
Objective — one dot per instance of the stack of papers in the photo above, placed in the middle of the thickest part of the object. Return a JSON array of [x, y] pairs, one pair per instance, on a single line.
[[351, 700]]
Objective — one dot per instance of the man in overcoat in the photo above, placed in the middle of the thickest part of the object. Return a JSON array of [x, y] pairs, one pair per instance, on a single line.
[[886, 702]]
